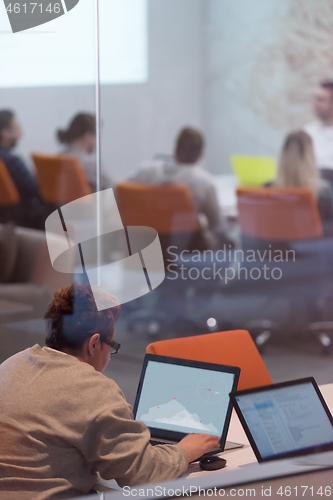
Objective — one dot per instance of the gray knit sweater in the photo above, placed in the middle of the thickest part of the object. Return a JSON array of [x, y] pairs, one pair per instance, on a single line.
[[61, 422]]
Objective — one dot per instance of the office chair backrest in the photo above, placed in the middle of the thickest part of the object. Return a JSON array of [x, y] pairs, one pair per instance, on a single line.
[[279, 214], [61, 178], [253, 170], [234, 348], [166, 208], [8, 191]]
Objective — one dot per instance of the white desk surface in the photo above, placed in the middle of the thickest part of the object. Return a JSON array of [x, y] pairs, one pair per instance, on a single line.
[[226, 185], [242, 466], [244, 456]]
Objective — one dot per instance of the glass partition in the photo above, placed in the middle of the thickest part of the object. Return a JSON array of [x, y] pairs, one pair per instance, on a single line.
[[48, 87], [203, 217], [241, 76]]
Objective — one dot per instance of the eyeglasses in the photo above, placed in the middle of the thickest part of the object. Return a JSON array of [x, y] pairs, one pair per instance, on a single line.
[[113, 345]]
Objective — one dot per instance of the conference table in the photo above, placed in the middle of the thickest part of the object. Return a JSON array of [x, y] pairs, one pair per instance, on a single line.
[[226, 186], [294, 478]]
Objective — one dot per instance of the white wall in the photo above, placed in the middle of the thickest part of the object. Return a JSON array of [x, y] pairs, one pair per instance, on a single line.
[[216, 64], [264, 60], [139, 119], [235, 33]]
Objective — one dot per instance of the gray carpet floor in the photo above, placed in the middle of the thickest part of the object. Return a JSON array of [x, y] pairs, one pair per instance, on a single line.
[[286, 358]]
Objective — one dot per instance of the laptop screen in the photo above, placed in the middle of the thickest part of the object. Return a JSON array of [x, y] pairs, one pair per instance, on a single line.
[[287, 419], [182, 396]]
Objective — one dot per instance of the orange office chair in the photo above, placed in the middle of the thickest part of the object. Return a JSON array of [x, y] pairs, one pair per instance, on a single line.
[[8, 192], [9, 196], [279, 214], [170, 211], [167, 208], [61, 179], [234, 348], [285, 218]]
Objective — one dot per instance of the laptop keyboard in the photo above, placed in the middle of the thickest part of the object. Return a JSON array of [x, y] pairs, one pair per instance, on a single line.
[[154, 443]]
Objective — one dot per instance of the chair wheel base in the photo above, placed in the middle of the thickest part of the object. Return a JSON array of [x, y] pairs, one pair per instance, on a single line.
[[325, 343], [261, 331], [323, 332]]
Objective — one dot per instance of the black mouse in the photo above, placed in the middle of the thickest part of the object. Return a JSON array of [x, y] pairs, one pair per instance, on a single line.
[[212, 463]]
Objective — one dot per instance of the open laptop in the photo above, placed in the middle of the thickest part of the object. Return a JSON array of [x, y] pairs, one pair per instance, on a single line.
[[253, 170], [285, 420], [177, 397]]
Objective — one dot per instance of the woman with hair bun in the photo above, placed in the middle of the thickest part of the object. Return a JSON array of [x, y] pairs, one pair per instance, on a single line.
[[62, 421], [79, 140]]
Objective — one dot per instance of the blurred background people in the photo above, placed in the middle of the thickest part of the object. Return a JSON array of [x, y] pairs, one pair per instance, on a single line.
[[79, 140], [298, 168], [321, 130], [31, 209], [183, 169]]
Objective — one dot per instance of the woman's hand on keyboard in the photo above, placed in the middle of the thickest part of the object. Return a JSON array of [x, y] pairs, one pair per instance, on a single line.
[[198, 444]]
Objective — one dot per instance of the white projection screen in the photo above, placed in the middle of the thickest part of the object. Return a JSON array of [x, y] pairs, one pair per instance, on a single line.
[[62, 51]]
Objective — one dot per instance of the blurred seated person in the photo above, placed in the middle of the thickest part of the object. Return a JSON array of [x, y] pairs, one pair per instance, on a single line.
[[31, 209], [321, 130], [183, 169], [79, 140], [298, 168], [62, 421]]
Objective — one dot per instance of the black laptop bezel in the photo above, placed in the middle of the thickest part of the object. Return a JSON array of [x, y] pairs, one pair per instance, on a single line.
[[297, 453], [173, 435]]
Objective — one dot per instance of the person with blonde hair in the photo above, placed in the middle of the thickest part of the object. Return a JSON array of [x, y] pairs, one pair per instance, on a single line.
[[298, 168]]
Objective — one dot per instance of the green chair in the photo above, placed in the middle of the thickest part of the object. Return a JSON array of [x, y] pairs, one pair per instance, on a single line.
[[253, 170]]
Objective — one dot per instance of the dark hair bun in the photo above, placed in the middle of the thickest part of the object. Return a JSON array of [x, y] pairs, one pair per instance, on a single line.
[[62, 136], [81, 124]]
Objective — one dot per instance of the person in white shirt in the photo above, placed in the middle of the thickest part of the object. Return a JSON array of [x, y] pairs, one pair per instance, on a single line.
[[321, 130], [182, 168], [79, 140]]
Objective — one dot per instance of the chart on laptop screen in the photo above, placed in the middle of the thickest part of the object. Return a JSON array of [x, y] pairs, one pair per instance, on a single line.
[[184, 399]]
